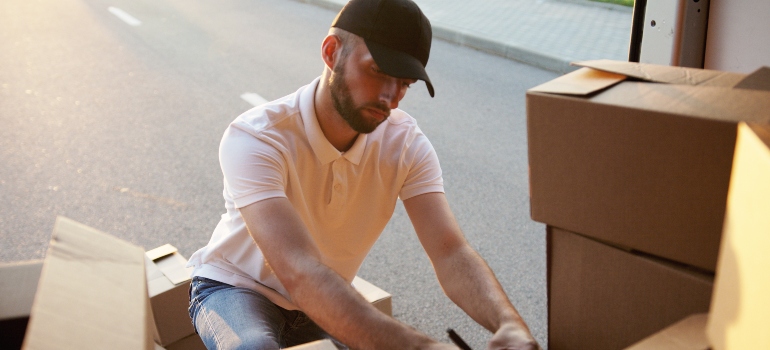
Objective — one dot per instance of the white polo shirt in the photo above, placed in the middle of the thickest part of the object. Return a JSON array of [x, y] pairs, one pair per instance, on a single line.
[[344, 199]]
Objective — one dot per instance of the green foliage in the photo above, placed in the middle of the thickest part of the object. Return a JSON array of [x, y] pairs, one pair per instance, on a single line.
[[629, 3]]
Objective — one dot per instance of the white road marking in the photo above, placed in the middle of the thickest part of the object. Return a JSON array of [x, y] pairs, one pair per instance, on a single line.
[[131, 20], [253, 98]]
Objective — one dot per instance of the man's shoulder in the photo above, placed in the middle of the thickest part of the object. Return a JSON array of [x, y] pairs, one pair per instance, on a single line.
[[276, 116]]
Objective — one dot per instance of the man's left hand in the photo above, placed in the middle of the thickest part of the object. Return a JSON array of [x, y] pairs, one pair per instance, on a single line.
[[513, 337]]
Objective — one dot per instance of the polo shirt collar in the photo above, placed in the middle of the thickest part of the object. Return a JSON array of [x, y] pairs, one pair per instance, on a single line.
[[323, 149]]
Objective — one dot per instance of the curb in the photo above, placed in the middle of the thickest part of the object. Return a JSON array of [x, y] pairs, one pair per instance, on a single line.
[[481, 43]]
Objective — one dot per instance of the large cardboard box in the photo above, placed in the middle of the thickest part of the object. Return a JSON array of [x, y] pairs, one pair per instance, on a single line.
[[18, 283], [638, 155], [91, 293], [168, 282], [740, 310], [602, 297], [687, 334]]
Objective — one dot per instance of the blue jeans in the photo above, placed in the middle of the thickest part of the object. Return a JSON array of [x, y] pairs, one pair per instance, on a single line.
[[228, 317]]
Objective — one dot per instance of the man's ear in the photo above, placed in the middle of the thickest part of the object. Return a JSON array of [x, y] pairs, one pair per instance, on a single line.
[[330, 49]]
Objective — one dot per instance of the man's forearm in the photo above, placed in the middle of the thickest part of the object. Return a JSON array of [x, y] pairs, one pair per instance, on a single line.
[[338, 308], [469, 282], [321, 293]]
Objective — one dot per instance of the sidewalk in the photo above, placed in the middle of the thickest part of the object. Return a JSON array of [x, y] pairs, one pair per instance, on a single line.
[[544, 33]]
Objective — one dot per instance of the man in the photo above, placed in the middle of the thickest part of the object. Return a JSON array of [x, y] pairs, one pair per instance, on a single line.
[[311, 180]]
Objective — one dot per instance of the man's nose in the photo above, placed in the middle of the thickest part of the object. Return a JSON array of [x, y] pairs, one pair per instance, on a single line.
[[391, 92]]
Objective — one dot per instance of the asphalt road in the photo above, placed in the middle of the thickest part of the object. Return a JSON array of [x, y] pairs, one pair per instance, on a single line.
[[116, 124]]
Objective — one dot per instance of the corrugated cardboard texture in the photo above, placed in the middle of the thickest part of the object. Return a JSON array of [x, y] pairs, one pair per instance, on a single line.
[[687, 334], [740, 311], [601, 297], [373, 294], [168, 284], [641, 165], [92, 293]]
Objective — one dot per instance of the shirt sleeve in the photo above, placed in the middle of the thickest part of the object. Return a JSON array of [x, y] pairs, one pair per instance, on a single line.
[[253, 169], [423, 168]]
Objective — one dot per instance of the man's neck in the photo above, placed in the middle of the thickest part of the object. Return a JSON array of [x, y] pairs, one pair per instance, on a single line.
[[335, 129]]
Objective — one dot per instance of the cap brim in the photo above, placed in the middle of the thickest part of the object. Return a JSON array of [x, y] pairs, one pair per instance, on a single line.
[[398, 64]]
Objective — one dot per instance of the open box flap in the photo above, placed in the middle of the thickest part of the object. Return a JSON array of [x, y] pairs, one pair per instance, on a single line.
[[759, 80], [161, 251], [166, 261], [92, 293], [581, 82], [664, 74], [713, 103], [369, 291]]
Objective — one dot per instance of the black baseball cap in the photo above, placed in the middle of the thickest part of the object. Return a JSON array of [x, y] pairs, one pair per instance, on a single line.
[[396, 32]]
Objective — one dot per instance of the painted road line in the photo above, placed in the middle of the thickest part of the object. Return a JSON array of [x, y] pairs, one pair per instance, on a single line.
[[253, 98], [131, 20]]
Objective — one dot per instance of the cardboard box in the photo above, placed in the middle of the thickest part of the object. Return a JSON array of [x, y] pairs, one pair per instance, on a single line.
[[740, 310], [168, 282], [687, 334], [190, 342], [91, 293], [316, 345], [18, 283], [376, 296], [194, 342], [602, 297], [640, 164]]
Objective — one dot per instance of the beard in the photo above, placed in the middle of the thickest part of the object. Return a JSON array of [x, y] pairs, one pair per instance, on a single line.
[[343, 103]]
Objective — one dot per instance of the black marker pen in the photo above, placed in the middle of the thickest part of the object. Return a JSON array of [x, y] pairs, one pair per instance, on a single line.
[[457, 340]]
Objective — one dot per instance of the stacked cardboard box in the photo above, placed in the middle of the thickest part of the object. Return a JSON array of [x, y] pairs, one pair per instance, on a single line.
[[740, 311], [94, 291], [630, 166], [91, 294], [169, 282]]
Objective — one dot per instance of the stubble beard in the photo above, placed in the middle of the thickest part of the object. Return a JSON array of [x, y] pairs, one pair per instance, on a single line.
[[343, 103]]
